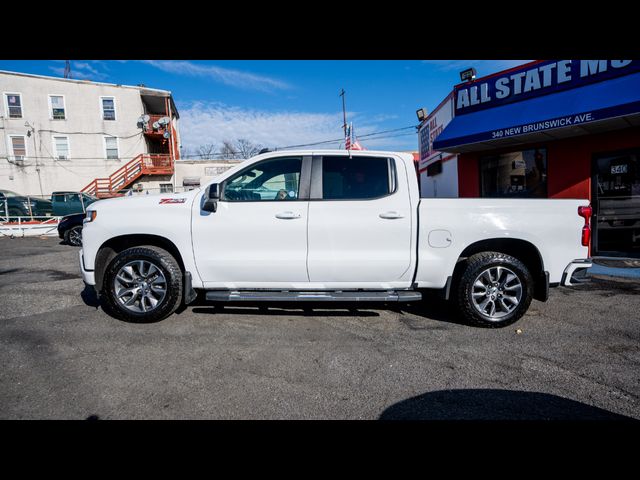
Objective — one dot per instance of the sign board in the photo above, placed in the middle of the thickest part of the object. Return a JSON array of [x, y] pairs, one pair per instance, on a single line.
[[432, 127], [536, 79]]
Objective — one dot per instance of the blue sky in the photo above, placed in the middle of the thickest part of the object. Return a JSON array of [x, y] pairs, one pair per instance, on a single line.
[[284, 102]]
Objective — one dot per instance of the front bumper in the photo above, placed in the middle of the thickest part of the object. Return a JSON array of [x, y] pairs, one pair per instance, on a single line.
[[575, 272], [87, 275]]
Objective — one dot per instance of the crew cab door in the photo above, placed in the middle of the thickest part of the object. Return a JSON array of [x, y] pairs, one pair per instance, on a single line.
[[257, 238], [360, 223]]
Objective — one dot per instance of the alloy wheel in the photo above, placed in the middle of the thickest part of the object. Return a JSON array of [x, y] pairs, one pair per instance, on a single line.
[[140, 286], [496, 292]]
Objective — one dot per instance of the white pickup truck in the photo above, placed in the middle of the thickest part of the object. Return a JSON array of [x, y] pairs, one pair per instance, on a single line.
[[330, 226]]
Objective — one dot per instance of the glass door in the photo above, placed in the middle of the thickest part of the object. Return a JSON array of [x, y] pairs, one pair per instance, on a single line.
[[616, 185]]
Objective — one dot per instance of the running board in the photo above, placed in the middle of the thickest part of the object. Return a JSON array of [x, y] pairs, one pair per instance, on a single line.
[[298, 296]]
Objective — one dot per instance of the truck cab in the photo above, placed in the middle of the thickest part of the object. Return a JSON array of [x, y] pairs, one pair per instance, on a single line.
[[69, 203]]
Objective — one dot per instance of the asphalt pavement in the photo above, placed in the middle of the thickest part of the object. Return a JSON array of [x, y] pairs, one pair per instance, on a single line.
[[576, 356]]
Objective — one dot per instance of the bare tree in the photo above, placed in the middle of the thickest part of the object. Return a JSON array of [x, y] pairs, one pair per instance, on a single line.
[[185, 152], [246, 148], [228, 150], [207, 151]]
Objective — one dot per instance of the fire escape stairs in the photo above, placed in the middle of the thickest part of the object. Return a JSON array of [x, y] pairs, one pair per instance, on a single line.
[[143, 164]]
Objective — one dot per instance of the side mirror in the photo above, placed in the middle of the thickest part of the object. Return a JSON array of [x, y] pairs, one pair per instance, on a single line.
[[211, 203]]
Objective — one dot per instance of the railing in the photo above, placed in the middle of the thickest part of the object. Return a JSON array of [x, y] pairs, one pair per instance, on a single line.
[[143, 164], [35, 226]]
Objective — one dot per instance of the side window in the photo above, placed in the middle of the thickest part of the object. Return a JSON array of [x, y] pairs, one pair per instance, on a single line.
[[14, 104], [61, 147], [18, 147], [108, 108], [357, 178], [111, 148], [57, 107], [276, 179]]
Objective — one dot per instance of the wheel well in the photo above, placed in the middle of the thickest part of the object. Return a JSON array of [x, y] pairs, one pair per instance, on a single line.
[[113, 246], [524, 251]]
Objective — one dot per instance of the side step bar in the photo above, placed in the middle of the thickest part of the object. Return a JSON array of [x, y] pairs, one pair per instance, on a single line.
[[301, 296]]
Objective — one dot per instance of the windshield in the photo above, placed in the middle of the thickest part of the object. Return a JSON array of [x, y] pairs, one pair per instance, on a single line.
[[8, 193]]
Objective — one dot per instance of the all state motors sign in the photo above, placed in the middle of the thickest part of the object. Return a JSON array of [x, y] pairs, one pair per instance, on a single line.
[[535, 79]]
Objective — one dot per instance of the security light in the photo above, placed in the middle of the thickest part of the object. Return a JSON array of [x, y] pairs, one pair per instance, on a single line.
[[468, 74], [422, 114]]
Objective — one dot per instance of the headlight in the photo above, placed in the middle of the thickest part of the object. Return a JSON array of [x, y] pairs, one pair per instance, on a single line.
[[90, 217]]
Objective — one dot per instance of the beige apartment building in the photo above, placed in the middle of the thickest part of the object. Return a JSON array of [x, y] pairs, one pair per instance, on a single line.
[[60, 134]]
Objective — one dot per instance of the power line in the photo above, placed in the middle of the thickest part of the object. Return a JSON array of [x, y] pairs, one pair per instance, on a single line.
[[93, 133]]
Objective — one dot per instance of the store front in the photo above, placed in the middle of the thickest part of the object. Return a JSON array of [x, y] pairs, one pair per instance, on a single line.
[[555, 129]]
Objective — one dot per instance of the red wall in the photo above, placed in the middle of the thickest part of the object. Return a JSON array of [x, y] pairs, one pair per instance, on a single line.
[[568, 162]]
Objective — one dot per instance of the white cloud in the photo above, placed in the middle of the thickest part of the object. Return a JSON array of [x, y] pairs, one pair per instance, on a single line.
[[78, 75], [227, 76], [213, 122], [86, 66], [80, 70]]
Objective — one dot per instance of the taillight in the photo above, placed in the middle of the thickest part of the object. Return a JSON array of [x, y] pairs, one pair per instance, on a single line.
[[585, 212]]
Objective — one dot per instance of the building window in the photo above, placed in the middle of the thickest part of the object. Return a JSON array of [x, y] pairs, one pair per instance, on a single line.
[[14, 105], [166, 187], [57, 107], [515, 174], [18, 147], [61, 147], [108, 105], [111, 148]]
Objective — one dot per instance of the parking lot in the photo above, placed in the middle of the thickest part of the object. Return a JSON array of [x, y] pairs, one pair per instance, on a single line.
[[575, 357]]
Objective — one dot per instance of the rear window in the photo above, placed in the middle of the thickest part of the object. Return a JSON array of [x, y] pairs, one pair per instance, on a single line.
[[357, 178]]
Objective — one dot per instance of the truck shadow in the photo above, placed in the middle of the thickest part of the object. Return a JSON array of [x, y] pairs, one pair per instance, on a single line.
[[493, 404], [432, 307], [268, 308]]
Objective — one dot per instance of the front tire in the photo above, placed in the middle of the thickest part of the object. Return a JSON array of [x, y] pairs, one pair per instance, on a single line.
[[494, 291], [143, 284], [73, 236]]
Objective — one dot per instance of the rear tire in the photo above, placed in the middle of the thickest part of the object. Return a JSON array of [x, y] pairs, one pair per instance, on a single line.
[[143, 284], [494, 290]]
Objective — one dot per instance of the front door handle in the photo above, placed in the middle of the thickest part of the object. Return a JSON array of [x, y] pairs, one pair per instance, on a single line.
[[390, 215], [287, 215]]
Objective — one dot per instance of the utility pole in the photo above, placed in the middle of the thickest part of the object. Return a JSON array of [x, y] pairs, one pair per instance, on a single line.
[[344, 113], [67, 69]]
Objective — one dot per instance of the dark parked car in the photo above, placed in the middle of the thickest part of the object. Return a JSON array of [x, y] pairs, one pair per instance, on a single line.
[[70, 229], [67, 203], [16, 205]]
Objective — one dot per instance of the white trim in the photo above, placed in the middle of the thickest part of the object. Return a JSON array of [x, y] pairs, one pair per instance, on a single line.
[[115, 110], [10, 153], [104, 144], [55, 149], [6, 105], [64, 105], [83, 82]]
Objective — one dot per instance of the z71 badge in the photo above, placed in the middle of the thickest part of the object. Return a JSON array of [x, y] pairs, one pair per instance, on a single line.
[[172, 200]]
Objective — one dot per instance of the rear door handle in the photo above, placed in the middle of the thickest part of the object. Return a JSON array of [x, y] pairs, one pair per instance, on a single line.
[[287, 215], [390, 215]]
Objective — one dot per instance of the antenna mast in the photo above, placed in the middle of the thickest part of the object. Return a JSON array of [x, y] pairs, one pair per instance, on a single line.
[[344, 112]]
